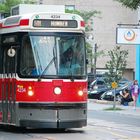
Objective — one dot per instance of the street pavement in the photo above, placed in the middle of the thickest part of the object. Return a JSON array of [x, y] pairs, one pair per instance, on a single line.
[[102, 105]]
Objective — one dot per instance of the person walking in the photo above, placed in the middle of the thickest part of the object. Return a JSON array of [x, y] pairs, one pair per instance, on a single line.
[[135, 89]]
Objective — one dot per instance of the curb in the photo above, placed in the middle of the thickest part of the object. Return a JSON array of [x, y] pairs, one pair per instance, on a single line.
[[107, 102]]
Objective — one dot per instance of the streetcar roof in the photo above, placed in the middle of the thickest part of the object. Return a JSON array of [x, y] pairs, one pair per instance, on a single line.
[[26, 22]]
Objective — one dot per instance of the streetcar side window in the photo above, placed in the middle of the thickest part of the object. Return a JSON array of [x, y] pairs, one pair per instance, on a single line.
[[9, 62], [8, 54]]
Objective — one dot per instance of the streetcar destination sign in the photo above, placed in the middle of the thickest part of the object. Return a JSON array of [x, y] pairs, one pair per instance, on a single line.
[[47, 23]]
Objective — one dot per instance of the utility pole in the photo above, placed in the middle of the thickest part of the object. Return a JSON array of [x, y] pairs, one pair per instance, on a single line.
[[95, 59]]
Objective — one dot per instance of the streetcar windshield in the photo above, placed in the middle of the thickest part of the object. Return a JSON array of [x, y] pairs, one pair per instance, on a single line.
[[53, 55]]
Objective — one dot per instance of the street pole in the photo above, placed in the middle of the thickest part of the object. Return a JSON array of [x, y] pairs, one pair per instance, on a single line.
[[92, 70], [95, 59], [114, 86], [114, 103]]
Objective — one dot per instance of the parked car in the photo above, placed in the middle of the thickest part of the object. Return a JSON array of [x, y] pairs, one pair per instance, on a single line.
[[91, 77], [124, 81], [109, 95], [97, 88]]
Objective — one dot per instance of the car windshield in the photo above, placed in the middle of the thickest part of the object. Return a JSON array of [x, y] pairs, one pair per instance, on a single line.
[[57, 54]]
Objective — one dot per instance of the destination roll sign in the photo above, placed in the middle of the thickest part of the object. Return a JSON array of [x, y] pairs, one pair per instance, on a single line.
[[47, 23]]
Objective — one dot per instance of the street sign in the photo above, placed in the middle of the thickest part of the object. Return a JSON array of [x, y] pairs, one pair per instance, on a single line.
[[128, 35], [114, 85]]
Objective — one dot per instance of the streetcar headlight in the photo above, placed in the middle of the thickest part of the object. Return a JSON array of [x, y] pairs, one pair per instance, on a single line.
[[80, 93], [57, 90], [30, 91]]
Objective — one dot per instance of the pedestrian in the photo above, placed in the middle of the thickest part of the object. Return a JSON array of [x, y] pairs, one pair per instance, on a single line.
[[135, 89], [126, 97]]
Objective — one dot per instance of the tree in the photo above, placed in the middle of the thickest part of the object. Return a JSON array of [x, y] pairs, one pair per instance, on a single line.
[[116, 65], [7, 4], [133, 4], [30, 1], [93, 55], [5, 7]]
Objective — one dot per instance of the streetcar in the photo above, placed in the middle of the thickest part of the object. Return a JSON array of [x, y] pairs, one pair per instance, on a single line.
[[43, 78]]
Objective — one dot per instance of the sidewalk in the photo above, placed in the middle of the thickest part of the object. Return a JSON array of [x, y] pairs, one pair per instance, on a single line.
[[101, 105]]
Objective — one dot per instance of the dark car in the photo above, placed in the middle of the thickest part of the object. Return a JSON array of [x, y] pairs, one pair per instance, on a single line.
[[109, 95], [97, 88], [124, 81], [92, 77]]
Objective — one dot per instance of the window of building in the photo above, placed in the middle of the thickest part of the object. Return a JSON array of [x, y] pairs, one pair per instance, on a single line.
[[70, 7]]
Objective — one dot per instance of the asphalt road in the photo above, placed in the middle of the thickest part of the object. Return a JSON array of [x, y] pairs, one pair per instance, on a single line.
[[111, 116], [102, 125]]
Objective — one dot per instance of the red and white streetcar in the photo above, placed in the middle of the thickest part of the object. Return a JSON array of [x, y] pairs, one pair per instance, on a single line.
[[43, 82]]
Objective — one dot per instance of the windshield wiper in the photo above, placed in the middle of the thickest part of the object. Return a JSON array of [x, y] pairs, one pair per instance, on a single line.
[[49, 64], [52, 60]]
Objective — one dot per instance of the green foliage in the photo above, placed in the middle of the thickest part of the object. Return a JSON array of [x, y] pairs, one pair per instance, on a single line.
[[116, 65], [89, 48], [133, 4], [92, 55], [97, 55], [89, 54], [30, 1], [113, 109], [5, 7]]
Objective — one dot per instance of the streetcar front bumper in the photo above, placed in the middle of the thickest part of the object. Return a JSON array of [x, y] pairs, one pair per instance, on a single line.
[[52, 115]]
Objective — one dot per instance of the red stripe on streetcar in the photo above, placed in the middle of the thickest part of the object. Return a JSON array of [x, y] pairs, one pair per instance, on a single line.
[[0, 25], [24, 22], [82, 24]]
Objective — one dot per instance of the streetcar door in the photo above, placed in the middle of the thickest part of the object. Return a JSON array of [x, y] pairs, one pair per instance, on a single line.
[[9, 84]]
